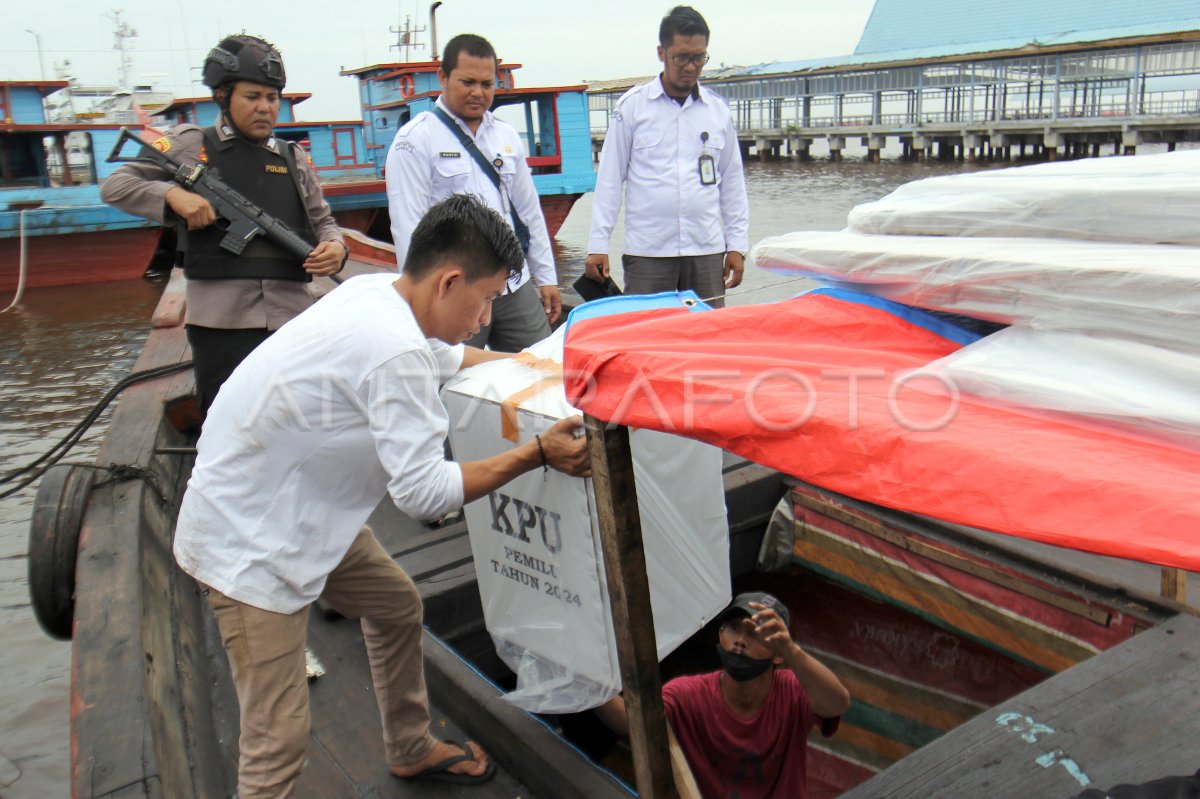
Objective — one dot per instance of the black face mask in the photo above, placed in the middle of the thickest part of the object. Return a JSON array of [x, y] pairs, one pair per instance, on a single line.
[[740, 667]]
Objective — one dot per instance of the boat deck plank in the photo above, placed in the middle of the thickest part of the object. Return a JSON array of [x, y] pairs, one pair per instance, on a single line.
[[346, 728], [1127, 715]]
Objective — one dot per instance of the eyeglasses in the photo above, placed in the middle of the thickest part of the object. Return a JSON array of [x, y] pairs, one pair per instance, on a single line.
[[682, 59]]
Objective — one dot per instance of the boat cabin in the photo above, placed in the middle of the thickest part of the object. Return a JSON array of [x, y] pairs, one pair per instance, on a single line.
[[552, 120], [39, 155], [336, 148]]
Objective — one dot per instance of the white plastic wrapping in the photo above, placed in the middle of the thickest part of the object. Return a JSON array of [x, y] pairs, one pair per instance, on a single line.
[[1145, 198], [1139, 387], [537, 549], [1144, 292]]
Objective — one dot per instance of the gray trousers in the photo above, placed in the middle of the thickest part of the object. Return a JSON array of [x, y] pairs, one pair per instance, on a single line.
[[703, 274], [518, 320]]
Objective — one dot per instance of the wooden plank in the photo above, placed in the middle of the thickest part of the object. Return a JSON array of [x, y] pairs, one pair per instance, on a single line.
[[629, 598], [680, 770], [861, 522], [526, 746], [347, 732], [936, 601], [1125, 716], [1174, 584]]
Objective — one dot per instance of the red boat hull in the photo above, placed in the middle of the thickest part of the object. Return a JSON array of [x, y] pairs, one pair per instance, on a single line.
[[555, 207], [94, 257]]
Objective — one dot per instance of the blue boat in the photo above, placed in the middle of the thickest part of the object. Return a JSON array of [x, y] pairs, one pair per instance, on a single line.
[[349, 155], [54, 230]]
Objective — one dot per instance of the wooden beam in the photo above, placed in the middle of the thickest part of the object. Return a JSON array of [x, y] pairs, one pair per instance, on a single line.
[[1174, 584], [629, 597]]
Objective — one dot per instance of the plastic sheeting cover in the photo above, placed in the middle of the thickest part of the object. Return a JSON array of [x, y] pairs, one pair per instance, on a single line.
[[1145, 198], [821, 388], [1147, 292], [1141, 388]]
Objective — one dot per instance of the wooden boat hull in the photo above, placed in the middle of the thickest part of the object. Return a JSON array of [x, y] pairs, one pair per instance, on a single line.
[[152, 708], [556, 208], [362, 206], [96, 256], [928, 627], [1124, 717]]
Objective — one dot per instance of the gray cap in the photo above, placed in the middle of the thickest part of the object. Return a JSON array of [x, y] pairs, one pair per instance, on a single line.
[[741, 607]]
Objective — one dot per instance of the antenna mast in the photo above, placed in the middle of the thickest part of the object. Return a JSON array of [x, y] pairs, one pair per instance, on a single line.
[[406, 38], [122, 32]]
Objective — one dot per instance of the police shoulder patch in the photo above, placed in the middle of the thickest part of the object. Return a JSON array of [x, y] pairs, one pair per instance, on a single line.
[[161, 144]]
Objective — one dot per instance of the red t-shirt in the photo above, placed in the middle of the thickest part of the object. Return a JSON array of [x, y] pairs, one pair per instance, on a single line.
[[763, 756]]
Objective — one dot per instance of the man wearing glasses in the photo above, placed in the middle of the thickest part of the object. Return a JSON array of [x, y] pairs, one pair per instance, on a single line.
[[672, 146]]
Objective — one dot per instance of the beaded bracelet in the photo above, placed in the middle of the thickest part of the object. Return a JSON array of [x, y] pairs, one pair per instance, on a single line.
[[542, 452]]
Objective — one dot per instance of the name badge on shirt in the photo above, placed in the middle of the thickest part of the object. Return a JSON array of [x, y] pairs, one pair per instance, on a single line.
[[450, 155], [708, 170]]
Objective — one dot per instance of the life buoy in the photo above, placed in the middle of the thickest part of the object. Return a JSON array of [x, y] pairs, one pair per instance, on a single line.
[[407, 88], [58, 509]]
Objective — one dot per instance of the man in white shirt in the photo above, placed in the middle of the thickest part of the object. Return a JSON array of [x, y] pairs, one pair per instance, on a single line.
[[335, 410], [429, 162], [671, 145]]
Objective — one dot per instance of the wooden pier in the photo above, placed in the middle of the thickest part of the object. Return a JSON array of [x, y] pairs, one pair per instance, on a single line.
[[1035, 103]]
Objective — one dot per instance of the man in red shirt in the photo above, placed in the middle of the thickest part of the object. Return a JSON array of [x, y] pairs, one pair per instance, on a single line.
[[744, 729]]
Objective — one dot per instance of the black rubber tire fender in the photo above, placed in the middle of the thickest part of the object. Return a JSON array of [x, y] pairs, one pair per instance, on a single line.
[[58, 510]]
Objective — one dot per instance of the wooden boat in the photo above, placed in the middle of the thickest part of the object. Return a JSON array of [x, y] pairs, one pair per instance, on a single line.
[[54, 230], [928, 624], [931, 625], [152, 707]]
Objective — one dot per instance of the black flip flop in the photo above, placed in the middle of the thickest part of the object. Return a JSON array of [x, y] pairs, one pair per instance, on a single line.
[[438, 771]]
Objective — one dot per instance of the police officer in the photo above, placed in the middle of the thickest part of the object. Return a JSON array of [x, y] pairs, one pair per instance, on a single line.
[[235, 301], [429, 162], [671, 153]]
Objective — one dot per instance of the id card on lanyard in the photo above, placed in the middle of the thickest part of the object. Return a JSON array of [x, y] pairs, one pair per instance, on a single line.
[[708, 167]]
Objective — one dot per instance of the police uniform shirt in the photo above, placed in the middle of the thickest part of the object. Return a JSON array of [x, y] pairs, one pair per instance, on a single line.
[[652, 150], [427, 164], [141, 190]]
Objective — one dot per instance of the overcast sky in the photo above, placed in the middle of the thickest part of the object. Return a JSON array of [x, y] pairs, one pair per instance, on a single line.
[[559, 43]]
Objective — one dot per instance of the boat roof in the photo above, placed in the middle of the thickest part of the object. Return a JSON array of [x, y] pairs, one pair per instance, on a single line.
[[44, 86], [412, 66], [179, 102]]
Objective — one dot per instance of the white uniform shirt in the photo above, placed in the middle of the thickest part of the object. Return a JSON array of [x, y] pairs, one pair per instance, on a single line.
[[653, 149], [333, 411], [427, 163]]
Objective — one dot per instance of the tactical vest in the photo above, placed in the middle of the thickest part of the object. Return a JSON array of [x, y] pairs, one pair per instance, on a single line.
[[268, 180]]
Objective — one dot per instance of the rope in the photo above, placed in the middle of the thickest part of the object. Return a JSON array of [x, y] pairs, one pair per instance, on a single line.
[[24, 246], [750, 290], [59, 451], [24, 266]]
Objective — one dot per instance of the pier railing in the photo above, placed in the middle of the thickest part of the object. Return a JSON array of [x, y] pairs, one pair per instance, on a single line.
[[1106, 87]]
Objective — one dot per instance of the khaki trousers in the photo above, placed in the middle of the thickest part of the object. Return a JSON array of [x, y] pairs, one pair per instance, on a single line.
[[266, 656]]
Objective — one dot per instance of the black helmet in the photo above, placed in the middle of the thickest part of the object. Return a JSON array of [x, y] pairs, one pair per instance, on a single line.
[[244, 57]]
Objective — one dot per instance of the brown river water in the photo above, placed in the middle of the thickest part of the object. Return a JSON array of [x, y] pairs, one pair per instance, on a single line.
[[63, 348]]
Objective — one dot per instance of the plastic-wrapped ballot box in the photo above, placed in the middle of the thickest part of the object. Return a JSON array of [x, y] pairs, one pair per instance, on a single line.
[[537, 548]]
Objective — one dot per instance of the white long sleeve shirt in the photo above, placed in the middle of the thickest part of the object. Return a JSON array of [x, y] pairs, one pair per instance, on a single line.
[[652, 151], [332, 412], [427, 163]]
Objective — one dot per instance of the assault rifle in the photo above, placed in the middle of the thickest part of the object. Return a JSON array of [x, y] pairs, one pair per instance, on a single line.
[[243, 219]]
